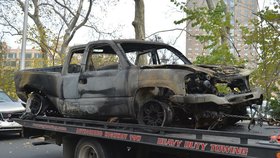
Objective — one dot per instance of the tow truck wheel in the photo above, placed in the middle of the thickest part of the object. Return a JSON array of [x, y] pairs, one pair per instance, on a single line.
[[90, 148], [155, 113]]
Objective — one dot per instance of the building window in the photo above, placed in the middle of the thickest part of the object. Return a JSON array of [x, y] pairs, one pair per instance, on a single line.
[[12, 55], [28, 55], [3, 56], [38, 55]]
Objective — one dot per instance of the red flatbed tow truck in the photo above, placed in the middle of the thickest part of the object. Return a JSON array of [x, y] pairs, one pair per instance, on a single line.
[[87, 138]]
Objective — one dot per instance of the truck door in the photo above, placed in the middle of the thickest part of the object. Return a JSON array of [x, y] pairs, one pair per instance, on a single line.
[[70, 73], [102, 86]]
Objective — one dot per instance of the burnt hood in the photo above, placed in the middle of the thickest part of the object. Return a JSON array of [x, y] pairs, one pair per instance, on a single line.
[[212, 70], [227, 71]]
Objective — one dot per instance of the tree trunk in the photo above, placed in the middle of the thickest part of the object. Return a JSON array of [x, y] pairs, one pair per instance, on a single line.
[[42, 40], [210, 4], [139, 20], [226, 30], [139, 26]]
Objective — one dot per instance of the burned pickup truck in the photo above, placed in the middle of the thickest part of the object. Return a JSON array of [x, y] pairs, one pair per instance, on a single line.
[[146, 82]]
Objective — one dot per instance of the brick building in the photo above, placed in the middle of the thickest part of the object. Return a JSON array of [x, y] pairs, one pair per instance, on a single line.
[[11, 58], [242, 11]]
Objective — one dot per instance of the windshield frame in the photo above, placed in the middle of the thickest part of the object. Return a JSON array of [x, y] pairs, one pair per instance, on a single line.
[[128, 47]]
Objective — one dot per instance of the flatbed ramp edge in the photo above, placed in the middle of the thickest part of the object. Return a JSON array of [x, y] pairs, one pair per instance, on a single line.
[[218, 143]]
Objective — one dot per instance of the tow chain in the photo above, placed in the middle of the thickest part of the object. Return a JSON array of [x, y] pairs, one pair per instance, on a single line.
[[253, 120], [237, 116]]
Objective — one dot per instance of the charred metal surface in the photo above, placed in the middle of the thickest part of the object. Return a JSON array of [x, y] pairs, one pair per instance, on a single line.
[[139, 73]]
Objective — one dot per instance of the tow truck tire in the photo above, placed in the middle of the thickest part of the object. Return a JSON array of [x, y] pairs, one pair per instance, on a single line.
[[91, 148]]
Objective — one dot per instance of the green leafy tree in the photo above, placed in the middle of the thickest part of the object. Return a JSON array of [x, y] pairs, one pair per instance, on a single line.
[[215, 22], [264, 37], [6, 73], [275, 105], [221, 56]]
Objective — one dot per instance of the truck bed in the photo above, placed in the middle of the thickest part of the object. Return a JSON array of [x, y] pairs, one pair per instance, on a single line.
[[31, 79], [232, 141]]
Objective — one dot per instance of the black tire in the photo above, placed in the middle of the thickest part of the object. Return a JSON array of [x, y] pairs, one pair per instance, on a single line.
[[37, 104], [155, 113], [91, 148]]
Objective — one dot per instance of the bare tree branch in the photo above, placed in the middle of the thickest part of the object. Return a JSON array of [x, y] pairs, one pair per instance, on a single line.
[[181, 32], [55, 22], [175, 29], [56, 11], [65, 7], [83, 22]]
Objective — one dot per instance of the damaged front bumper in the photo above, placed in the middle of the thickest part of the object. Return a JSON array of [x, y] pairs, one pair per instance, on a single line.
[[255, 96]]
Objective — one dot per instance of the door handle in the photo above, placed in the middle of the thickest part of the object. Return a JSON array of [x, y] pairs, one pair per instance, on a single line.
[[83, 80]]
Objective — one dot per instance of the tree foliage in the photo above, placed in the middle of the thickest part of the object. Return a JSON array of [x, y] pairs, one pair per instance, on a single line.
[[221, 56], [275, 105], [215, 23], [6, 73], [264, 37]]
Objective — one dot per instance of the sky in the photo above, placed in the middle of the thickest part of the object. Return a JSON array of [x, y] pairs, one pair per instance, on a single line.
[[159, 15]]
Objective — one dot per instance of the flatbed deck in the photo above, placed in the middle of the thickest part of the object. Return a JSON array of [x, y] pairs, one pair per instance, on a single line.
[[233, 141]]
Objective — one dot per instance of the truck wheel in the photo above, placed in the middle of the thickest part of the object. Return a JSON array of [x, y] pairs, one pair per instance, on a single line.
[[90, 148], [35, 103], [155, 113]]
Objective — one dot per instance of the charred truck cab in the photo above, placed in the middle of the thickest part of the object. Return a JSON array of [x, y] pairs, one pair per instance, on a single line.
[[148, 82]]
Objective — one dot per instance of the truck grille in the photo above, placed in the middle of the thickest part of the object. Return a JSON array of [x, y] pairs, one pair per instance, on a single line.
[[4, 116]]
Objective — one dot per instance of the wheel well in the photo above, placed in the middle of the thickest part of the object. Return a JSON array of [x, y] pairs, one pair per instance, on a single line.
[[148, 93], [49, 106], [28, 90]]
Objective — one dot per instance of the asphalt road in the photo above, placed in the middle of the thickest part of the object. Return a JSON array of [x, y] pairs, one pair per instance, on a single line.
[[13, 146]]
